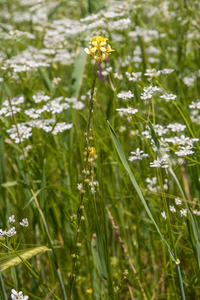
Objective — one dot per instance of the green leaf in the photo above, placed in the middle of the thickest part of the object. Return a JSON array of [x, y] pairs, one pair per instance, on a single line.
[[2, 289], [135, 184], [43, 185], [46, 79], [78, 71], [9, 183]]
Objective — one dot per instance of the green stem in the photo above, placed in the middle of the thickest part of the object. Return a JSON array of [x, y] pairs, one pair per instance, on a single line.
[[84, 183]]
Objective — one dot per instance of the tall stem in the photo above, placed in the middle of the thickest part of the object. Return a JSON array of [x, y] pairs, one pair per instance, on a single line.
[[84, 183]]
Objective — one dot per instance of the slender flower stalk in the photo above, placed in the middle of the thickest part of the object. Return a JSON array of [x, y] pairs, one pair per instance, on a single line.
[[99, 53]]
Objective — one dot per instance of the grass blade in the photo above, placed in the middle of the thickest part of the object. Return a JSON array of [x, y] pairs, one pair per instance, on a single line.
[[78, 71], [134, 182], [2, 289]]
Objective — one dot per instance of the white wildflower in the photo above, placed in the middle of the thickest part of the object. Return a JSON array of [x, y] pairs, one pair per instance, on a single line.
[[11, 219], [183, 212], [11, 232], [79, 186], [135, 77], [172, 208], [178, 201], [40, 96], [127, 111], [168, 97], [18, 296], [24, 222], [138, 154], [163, 214], [189, 81], [78, 105], [160, 162], [125, 95], [118, 76], [196, 212], [184, 151], [176, 127]]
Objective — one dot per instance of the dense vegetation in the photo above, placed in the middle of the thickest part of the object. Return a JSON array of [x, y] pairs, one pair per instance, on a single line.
[[99, 149]]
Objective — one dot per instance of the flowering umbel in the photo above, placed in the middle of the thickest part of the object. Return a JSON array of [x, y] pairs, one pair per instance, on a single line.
[[97, 50]]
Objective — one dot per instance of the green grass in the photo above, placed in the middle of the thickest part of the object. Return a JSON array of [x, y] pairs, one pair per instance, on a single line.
[[113, 243]]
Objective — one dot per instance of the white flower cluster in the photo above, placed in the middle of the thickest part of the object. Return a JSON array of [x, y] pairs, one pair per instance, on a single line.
[[107, 71], [118, 76], [183, 212], [125, 95], [9, 233], [18, 296], [176, 127], [19, 133], [152, 184], [194, 115], [178, 201], [195, 105], [93, 185], [18, 33], [160, 130], [54, 106], [189, 80], [184, 151], [137, 155], [120, 24], [134, 76], [163, 214], [196, 212], [79, 186], [40, 96], [148, 92], [32, 58], [172, 208], [12, 231], [24, 222], [8, 110], [154, 72], [24, 130], [160, 162], [11, 219], [127, 111], [186, 143], [168, 97], [147, 35]]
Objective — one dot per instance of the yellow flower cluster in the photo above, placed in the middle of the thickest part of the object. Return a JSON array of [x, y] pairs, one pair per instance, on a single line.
[[97, 50]]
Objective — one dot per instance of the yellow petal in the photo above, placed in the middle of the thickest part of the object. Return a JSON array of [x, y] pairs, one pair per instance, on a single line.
[[109, 49], [93, 49], [94, 43], [89, 291], [103, 49], [102, 44], [104, 56]]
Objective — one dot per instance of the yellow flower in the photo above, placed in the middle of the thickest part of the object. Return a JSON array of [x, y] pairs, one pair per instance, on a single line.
[[97, 50], [89, 291]]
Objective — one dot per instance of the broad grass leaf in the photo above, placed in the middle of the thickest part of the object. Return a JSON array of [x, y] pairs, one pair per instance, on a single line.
[[78, 71], [2, 289], [46, 79]]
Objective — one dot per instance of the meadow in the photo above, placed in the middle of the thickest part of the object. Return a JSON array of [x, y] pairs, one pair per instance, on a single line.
[[99, 149]]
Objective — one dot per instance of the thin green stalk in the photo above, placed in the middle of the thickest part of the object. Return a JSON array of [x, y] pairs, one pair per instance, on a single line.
[[84, 182]]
